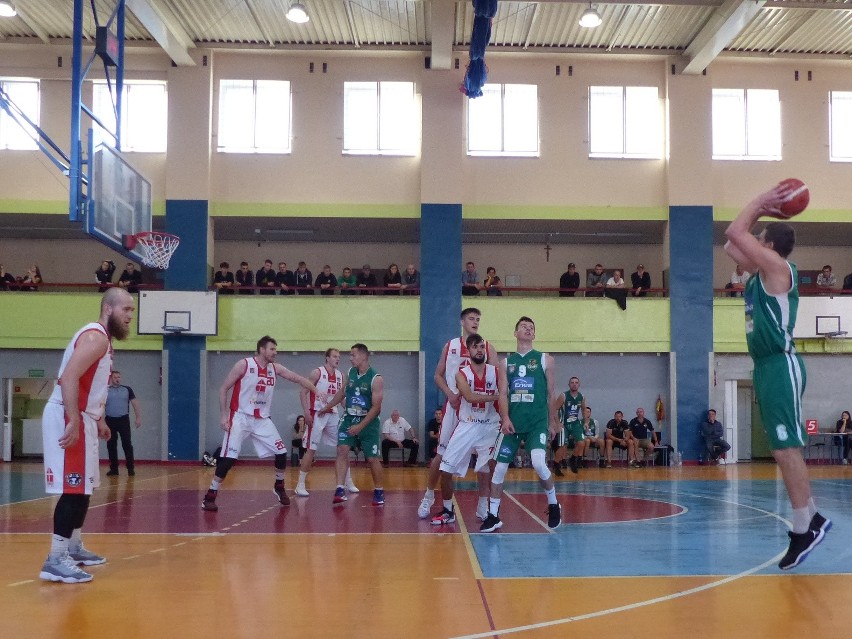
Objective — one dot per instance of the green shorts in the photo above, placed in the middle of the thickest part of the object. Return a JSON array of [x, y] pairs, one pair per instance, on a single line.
[[507, 445], [367, 439], [574, 430], [779, 383]]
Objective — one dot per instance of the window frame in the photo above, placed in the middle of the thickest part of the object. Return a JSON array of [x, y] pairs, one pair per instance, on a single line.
[[254, 148], [502, 152], [831, 117], [12, 124], [624, 154], [126, 102], [380, 150], [746, 156]]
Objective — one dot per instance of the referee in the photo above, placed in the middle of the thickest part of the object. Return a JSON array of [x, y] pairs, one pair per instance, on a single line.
[[119, 400]]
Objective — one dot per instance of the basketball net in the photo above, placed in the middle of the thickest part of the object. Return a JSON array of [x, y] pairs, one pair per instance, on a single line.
[[157, 248]]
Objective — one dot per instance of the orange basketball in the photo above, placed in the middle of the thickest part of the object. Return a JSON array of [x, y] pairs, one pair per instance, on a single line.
[[797, 200]]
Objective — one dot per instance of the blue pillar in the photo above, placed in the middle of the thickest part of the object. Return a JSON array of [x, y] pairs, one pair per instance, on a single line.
[[186, 373], [440, 286], [691, 292]]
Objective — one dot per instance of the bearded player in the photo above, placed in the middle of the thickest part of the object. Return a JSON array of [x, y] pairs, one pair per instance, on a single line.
[[73, 421]]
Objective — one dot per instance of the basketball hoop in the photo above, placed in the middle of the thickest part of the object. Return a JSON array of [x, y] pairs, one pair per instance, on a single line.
[[157, 248]]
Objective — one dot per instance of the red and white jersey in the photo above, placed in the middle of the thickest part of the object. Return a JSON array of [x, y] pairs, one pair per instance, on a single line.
[[328, 384], [94, 382], [485, 412], [458, 356], [252, 394]]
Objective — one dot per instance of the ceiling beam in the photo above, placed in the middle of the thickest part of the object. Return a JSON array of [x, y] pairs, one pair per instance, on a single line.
[[724, 25], [164, 28], [34, 26], [443, 32]]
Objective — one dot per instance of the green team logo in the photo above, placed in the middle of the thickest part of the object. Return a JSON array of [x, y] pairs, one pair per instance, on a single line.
[[532, 365]]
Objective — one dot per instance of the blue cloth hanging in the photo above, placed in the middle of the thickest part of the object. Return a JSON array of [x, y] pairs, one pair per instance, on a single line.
[[485, 8], [480, 37], [475, 78]]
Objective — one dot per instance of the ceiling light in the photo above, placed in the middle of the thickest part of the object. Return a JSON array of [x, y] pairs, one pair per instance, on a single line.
[[7, 10], [590, 18], [298, 13]]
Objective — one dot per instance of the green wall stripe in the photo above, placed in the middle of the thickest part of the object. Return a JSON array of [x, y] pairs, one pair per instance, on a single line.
[[523, 212], [284, 209]]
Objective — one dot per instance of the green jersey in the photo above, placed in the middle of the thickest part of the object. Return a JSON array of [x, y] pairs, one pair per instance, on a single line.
[[527, 384], [359, 393], [770, 318], [571, 409]]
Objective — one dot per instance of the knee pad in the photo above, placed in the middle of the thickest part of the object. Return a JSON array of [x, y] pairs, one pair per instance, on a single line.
[[539, 463], [281, 461], [223, 465], [499, 473]]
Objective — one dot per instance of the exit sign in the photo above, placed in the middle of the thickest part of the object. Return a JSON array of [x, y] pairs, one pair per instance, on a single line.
[[36, 372]]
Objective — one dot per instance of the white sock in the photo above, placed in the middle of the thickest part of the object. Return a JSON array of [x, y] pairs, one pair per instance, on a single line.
[[493, 505], [214, 485], [302, 477], [483, 503], [76, 540], [812, 509], [279, 475], [58, 545], [448, 504], [551, 495], [801, 519], [430, 494], [349, 481]]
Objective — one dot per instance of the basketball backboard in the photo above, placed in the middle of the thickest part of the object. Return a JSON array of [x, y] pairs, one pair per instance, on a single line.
[[822, 315], [119, 202], [178, 312]]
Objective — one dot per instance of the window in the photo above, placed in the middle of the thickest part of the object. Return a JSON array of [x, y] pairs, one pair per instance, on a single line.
[[625, 122], [144, 117], [504, 121], [24, 94], [380, 118], [841, 126], [254, 116], [746, 124]]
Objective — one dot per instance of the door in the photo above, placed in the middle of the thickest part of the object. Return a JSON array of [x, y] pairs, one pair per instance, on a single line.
[[6, 424], [744, 403]]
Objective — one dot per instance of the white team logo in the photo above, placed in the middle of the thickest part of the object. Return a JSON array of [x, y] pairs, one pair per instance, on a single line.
[[781, 432]]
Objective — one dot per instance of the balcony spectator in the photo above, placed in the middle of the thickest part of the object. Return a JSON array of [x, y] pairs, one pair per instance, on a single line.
[[493, 285], [245, 278], [7, 280], [826, 279], [569, 282], [130, 278], [470, 280], [596, 282], [223, 280], [304, 280], [640, 281], [285, 281], [616, 281], [411, 281], [366, 280], [265, 279], [347, 282], [104, 275], [738, 281], [393, 280], [326, 282]]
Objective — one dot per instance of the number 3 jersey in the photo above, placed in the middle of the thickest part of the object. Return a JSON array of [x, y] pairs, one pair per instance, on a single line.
[[527, 390], [484, 413], [253, 391]]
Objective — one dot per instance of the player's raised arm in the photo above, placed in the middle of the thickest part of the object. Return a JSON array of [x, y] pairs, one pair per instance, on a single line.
[[468, 394], [290, 376], [745, 248], [238, 370], [91, 346]]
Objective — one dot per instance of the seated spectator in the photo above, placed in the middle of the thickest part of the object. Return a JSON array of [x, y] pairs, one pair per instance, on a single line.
[[223, 280], [844, 425], [104, 275], [245, 278], [738, 282], [411, 281], [7, 280], [470, 280], [265, 279], [616, 436], [393, 280], [366, 280], [640, 435], [347, 282], [326, 282], [433, 429], [616, 281], [826, 279], [712, 433], [640, 281], [398, 433], [596, 280], [304, 280], [298, 441], [591, 437], [492, 284], [130, 278], [847, 282], [285, 281], [569, 280]]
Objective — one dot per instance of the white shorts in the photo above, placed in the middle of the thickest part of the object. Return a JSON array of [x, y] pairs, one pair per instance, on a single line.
[[72, 470], [323, 430], [448, 425], [260, 430], [467, 439]]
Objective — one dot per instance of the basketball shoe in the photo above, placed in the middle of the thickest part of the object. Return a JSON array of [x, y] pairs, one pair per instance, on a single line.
[[491, 523], [378, 497], [84, 557], [63, 569], [554, 516], [339, 496], [209, 501], [445, 517], [425, 507], [278, 490], [801, 544]]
